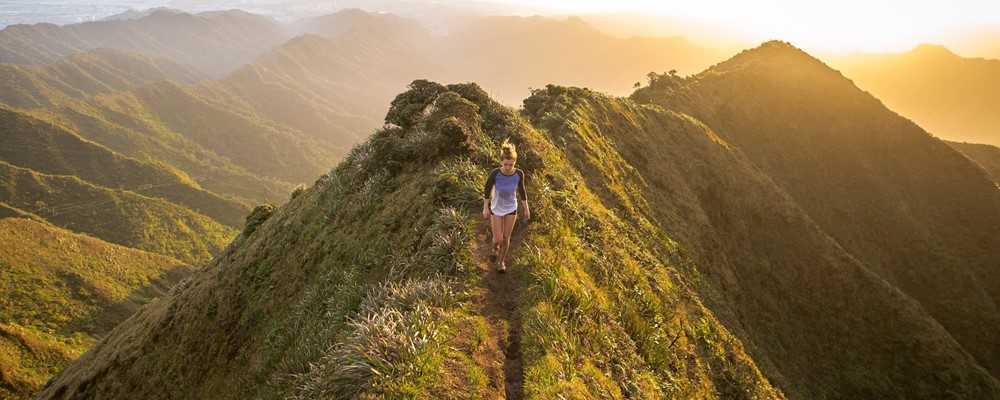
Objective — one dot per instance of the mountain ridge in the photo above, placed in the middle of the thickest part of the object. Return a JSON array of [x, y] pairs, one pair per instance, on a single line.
[[86, 74], [115, 215], [911, 221], [46, 148], [707, 249], [212, 42]]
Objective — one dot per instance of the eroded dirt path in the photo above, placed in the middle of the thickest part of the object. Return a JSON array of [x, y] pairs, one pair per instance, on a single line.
[[498, 299]]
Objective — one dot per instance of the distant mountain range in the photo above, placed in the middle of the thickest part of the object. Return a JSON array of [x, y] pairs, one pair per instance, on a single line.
[[951, 97], [86, 74], [214, 42]]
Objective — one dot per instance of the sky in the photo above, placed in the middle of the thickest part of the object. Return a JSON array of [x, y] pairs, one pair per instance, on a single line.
[[830, 26], [816, 26]]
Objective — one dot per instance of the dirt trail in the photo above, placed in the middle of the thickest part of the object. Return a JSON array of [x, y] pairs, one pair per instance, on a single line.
[[498, 298]]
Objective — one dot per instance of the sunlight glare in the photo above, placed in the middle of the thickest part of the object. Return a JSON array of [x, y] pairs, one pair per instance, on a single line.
[[841, 26]]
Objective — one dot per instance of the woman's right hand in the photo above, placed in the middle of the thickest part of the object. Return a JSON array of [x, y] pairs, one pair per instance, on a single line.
[[486, 213]]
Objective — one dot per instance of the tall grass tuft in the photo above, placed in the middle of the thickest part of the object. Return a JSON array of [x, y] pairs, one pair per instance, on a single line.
[[390, 339]]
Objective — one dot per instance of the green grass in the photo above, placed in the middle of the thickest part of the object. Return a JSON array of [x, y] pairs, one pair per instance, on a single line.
[[375, 269], [117, 216], [62, 292], [50, 149]]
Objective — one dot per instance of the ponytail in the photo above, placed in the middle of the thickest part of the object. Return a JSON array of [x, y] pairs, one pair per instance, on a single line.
[[507, 150]]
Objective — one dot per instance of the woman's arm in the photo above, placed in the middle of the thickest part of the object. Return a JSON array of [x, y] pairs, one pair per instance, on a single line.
[[488, 191], [523, 195]]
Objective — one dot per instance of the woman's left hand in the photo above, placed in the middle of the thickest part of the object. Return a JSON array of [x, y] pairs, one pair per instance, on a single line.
[[527, 214]]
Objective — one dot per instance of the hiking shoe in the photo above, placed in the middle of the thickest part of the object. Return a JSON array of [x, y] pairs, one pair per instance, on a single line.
[[493, 257], [501, 267]]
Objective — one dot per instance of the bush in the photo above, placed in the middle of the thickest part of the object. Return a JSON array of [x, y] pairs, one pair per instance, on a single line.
[[257, 217], [408, 107]]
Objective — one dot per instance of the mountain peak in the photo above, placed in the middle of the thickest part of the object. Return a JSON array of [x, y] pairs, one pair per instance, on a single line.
[[772, 53], [933, 52]]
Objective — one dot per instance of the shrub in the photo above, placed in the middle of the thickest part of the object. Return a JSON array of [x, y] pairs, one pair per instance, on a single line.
[[257, 217]]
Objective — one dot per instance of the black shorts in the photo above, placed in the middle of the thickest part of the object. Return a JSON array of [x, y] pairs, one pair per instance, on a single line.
[[512, 213]]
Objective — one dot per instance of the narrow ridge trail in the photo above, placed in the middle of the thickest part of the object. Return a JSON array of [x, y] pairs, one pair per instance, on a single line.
[[498, 296]]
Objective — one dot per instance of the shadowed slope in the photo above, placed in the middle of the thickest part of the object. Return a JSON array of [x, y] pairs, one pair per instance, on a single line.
[[803, 305], [987, 156], [114, 215], [906, 205], [86, 74], [63, 291], [49, 149]]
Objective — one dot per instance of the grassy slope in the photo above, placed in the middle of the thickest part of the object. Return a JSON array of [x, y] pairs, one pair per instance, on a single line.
[[985, 155], [114, 215], [50, 149], [62, 292], [7, 211], [125, 124], [804, 306], [910, 208], [355, 288], [86, 74]]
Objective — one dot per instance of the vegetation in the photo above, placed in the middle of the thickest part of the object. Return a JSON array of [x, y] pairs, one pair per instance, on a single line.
[[379, 291], [758, 230], [62, 292], [50, 149], [985, 155], [86, 74], [880, 187], [117, 216]]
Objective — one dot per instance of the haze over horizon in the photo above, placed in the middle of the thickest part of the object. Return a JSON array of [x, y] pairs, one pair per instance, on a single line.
[[965, 26]]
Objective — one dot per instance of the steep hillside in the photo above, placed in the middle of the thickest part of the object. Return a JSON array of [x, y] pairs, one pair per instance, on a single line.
[[7, 211], [801, 303], [507, 55], [355, 289], [49, 149], [214, 43], [86, 74], [226, 149], [985, 155], [904, 204], [115, 215], [952, 97], [62, 292], [335, 90]]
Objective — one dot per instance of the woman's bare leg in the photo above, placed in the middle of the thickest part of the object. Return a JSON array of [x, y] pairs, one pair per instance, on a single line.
[[508, 228], [497, 224]]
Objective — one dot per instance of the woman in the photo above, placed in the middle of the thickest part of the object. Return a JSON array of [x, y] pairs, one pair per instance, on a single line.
[[503, 188]]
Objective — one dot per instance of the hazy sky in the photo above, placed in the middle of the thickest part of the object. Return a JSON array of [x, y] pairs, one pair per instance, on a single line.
[[816, 26], [873, 25]]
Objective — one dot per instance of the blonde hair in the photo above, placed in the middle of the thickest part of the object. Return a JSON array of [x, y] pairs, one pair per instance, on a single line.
[[507, 150]]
